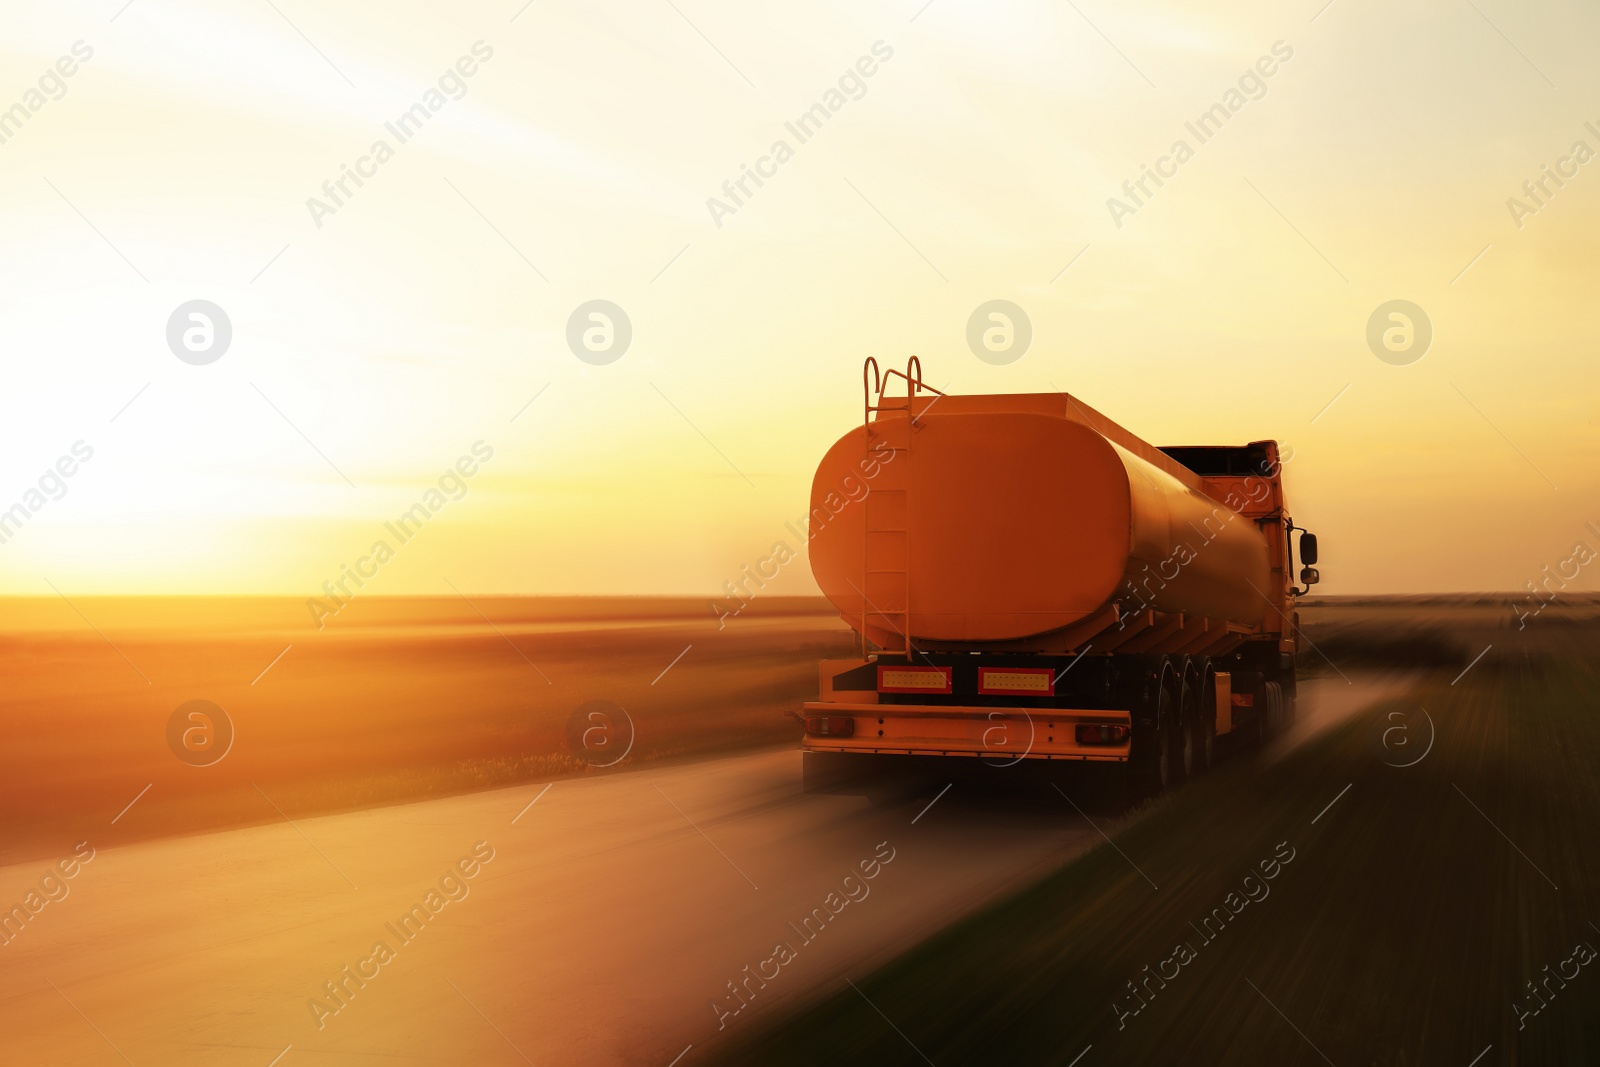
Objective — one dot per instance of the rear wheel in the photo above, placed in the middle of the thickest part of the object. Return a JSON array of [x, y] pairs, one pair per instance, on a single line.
[[1206, 726], [1188, 759], [1150, 757]]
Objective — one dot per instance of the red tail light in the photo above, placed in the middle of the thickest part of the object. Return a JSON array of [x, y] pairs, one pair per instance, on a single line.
[[914, 679], [1018, 681], [1096, 734], [830, 725], [1244, 700]]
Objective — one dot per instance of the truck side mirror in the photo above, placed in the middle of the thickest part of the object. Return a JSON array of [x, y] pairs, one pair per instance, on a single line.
[[1309, 576], [1308, 549]]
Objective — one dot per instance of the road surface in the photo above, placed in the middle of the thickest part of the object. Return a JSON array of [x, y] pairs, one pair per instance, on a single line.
[[592, 921]]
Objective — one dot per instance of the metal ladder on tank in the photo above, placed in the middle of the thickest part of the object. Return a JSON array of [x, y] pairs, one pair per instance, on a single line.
[[886, 553]]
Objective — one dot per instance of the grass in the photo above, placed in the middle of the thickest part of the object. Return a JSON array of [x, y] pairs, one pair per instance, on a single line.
[[1414, 911], [1388, 632]]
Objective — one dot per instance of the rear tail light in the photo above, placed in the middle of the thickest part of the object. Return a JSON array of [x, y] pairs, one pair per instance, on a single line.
[[1097, 734], [830, 725], [1244, 700], [914, 679], [1018, 681]]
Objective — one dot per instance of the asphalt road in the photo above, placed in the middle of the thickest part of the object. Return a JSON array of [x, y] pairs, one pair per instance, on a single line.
[[591, 921]]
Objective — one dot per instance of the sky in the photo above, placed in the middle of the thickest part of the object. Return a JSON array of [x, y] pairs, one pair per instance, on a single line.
[[380, 333]]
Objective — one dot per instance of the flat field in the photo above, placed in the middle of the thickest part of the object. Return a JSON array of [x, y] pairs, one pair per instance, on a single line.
[[394, 699]]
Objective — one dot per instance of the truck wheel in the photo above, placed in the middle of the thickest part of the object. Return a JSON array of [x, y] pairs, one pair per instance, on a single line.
[[1187, 757], [1150, 759], [1206, 727], [1272, 714]]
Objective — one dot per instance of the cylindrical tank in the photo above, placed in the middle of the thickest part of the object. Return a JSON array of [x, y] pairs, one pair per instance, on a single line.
[[997, 525]]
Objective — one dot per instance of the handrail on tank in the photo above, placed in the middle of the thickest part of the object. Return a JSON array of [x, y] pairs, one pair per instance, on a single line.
[[912, 383], [877, 382]]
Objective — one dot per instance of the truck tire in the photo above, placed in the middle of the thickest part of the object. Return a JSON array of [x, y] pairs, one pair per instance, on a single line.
[[1206, 750], [1272, 715], [1150, 757], [1186, 755]]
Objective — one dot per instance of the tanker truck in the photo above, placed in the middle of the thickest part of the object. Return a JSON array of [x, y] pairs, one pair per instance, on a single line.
[[1034, 586]]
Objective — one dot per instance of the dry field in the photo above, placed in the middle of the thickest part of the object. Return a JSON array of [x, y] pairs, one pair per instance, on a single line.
[[404, 698], [1408, 632], [395, 699]]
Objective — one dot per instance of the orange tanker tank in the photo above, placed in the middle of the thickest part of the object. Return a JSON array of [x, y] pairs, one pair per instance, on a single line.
[[996, 518], [983, 546]]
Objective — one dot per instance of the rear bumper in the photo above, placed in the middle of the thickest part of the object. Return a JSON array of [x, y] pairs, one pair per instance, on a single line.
[[999, 733]]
